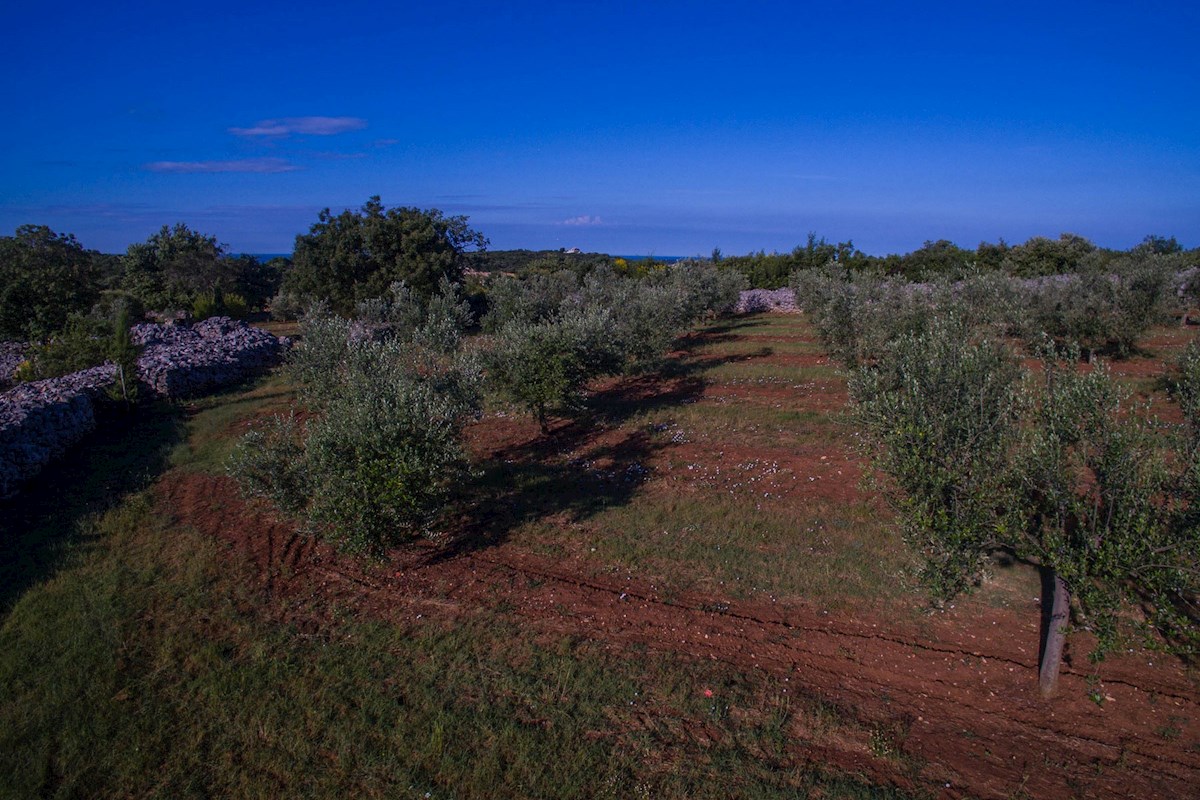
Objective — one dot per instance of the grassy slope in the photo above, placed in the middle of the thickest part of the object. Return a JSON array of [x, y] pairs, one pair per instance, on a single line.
[[145, 667]]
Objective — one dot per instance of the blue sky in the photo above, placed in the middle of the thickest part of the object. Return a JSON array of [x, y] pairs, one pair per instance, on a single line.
[[663, 128]]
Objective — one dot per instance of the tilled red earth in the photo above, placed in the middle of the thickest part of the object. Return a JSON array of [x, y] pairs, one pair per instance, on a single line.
[[961, 690], [956, 692]]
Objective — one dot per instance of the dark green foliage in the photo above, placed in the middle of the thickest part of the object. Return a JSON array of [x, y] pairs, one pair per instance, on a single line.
[[375, 464], [1055, 472], [45, 277], [122, 352], [218, 305], [85, 342], [78, 346], [773, 271], [173, 266], [1040, 256], [257, 282], [357, 255], [940, 259], [523, 262], [942, 411], [1105, 308]]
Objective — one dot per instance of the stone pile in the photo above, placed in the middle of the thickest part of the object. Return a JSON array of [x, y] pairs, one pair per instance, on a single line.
[[753, 300], [11, 356], [184, 360], [40, 420]]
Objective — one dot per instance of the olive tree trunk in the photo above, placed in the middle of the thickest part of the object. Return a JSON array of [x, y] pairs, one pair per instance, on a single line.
[[1056, 636]]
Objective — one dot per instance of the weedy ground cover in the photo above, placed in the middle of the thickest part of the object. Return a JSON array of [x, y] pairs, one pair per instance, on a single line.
[[723, 499], [150, 664]]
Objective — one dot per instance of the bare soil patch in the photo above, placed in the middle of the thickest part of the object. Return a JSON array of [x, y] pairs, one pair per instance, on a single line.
[[946, 703]]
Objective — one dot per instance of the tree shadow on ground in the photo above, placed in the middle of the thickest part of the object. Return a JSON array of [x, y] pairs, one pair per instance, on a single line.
[[584, 465], [47, 519]]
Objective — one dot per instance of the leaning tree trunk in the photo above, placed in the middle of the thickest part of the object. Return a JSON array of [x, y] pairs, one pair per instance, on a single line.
[[1056, 636]]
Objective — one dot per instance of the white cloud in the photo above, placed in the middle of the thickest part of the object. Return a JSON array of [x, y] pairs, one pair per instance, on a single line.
[[306, 126], [263, 165], [584, 219]]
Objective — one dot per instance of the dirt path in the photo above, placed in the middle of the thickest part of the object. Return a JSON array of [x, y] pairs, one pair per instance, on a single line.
[[954, 699]]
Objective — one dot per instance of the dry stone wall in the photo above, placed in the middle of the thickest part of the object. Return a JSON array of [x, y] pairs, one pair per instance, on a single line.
[[753, 300], [184, 360], [39, 421], [11, 356]]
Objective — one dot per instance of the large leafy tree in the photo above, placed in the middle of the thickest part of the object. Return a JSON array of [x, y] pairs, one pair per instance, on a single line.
[[174, 266], [357, 255], [44, 278]]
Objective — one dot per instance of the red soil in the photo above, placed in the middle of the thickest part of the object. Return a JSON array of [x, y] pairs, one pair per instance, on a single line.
[[956, 692]]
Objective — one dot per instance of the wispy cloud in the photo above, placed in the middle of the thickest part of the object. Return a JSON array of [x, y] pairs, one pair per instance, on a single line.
[[305, 126], [584, 219], [262, 165]]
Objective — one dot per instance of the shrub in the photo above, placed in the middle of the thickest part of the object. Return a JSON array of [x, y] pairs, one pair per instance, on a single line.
[[271, 462], [385, 453], [545, 366], [1099, 506], [80, 345], [1105, 309], [1054, 471], [287, 306], [218, 304], [533, 299], [376, 462], [942, 412], [857, 315]]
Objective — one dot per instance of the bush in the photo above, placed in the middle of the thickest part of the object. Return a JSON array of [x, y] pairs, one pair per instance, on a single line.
[[545, 366], [1097, 499], [942, 412], [375, 464], [287, 306], [226, 304], [536, 298], [857, 315], [1105, 309], [975, 459], [79, 346]]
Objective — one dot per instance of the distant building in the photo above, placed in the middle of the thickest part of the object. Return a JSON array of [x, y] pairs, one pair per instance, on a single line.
[[574, 250]]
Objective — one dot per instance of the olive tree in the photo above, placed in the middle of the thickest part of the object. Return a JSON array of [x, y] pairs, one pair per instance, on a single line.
[[376, 461], [976, 457]]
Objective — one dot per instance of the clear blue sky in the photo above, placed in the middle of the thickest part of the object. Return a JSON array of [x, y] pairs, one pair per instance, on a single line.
[[628, 127]]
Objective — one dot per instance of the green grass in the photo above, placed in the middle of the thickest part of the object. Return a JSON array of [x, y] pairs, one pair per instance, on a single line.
[[54, 515], [154, 670], [765, 372], [733, 545], [747, 423], [217, 422], [759, 343], [141, 660]]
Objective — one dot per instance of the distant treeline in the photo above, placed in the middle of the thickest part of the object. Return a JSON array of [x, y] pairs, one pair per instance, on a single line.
[[1036, 257], [47, 279]]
